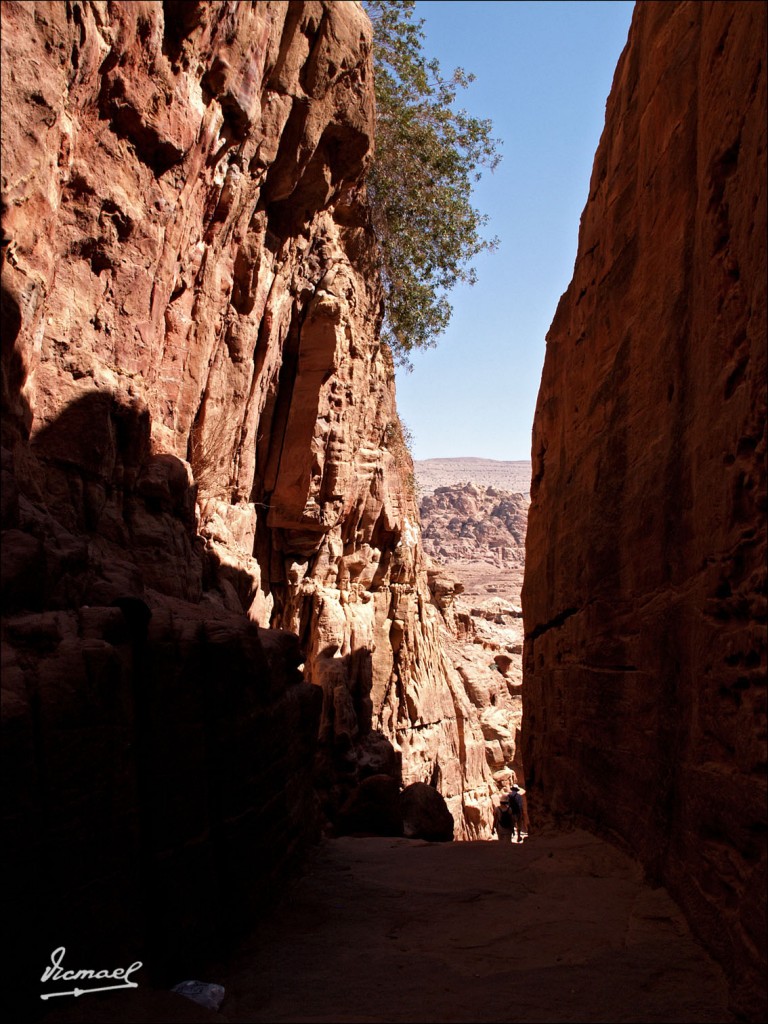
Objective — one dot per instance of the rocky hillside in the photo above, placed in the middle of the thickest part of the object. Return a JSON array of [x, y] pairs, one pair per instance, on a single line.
[[645, 577], [475, 537], [482, 637], [475, 524]]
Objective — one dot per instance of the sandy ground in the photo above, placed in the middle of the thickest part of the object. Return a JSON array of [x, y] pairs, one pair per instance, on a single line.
[[559, 928]]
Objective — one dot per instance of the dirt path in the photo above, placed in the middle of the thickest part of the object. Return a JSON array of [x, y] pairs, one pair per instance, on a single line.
[[560, 928]]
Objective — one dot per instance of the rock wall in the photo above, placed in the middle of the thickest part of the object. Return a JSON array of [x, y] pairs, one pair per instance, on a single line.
[[482, 638], [200, 437], [644, 596], [189, 235]]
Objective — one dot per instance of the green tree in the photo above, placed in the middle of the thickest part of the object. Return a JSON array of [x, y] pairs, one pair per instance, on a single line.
[[428, 155]]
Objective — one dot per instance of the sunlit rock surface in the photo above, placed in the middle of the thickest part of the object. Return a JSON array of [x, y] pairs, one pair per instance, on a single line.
[[644, 595], [189, 240], [475, 537], [475, 524]]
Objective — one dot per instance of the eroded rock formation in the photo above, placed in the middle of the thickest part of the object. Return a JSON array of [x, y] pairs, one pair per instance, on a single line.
[[200, 437], [644, 595], [474, 524], [475, 536]]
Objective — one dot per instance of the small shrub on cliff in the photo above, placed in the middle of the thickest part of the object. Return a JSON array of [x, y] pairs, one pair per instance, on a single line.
[[398, 438], [209, 450], [428, 154]]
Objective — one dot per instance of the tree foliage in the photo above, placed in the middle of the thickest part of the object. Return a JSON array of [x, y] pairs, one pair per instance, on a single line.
[[428, 156]]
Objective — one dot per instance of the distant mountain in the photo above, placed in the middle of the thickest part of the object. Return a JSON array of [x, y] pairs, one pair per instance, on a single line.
[[514, 477]]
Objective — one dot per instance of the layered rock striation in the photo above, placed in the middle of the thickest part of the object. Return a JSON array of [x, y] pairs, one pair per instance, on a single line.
[[645, 584], [201, 453]]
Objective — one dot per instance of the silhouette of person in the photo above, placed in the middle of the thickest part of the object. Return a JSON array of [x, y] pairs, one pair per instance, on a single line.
[[515, 803], [503, 821]]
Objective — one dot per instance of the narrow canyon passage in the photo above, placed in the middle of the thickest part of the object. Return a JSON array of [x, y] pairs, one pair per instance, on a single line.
[[223, 628], [560, 928]]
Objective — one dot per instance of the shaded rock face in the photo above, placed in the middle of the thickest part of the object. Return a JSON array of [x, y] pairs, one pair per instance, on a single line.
[[141, 814], [189, 241], [644, 596], [198, 419], [425, 815], [372, 808], [378, 807]]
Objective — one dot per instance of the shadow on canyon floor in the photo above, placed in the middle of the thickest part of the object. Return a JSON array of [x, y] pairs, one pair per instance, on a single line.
[[562, 928]]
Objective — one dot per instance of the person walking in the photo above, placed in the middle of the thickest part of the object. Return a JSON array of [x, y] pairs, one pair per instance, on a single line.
[[515, 804], [502, 821]]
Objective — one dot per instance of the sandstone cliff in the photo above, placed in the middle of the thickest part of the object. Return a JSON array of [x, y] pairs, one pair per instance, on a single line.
[[200, 439], [644, 595]]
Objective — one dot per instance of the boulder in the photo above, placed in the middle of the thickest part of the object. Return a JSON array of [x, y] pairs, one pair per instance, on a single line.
[[425, 814]]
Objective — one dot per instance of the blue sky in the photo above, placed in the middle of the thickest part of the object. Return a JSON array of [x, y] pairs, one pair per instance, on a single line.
[[543, 73]]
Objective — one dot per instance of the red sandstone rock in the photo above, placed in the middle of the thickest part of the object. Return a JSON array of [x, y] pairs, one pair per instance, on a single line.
[[644, 592], [191, 305], [372, 808], [196, 424], [470, 523]]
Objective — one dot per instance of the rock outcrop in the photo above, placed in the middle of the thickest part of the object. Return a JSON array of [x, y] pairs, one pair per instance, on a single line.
[[471, 523], [475, 536], [378, 807], [644, 595], [201, 451]]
